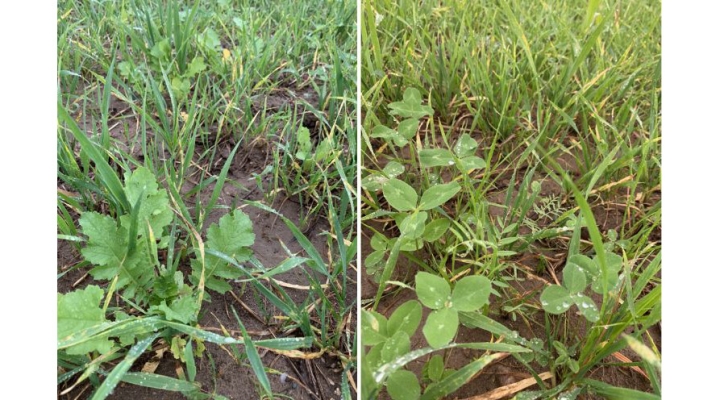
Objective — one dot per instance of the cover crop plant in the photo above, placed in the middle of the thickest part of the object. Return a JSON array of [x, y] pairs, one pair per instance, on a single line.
[[540, 122]]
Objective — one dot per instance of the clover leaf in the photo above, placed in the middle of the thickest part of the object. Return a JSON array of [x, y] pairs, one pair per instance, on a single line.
[[470, 294], [411, 105]]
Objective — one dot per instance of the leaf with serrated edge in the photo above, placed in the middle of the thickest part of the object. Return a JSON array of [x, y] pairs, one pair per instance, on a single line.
[[183, 309], [107, 244], [107, 248], [80, 310], [233, 233], [232, 236], [154, 207]]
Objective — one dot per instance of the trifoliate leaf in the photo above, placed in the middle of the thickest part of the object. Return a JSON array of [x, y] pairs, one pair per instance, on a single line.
[[413, 226], [587, 307], [468, 164], [574, 278], [373, 260], [80, 310], [435, 229], [435, 368], [389, 135], [411, 106]]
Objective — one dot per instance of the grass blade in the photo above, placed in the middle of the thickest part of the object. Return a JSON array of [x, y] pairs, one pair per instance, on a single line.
[[617, 393], [190, 361], [107, 175], [119, 371], [460, 377], [156, 381], [254, 358], [220, 183]]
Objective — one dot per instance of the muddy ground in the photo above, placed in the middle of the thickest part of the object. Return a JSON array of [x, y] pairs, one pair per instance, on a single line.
[[218, 372]]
